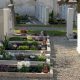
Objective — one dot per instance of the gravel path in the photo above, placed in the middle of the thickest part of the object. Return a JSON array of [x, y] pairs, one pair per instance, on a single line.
[[66, 58]]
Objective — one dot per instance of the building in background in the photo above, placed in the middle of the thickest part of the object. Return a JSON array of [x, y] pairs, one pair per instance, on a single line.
[[29, 7]]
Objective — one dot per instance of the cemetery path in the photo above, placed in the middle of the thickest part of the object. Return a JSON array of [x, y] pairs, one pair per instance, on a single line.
[[42, 28], [66, 59]]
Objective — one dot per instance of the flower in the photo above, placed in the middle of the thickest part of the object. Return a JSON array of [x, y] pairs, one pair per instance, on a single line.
[[47, 55], [1, 44], [32, 56], [48, 61], [42, 51], [15, 45], [25, 63], [17, 31], [29, 37], [1, 56]]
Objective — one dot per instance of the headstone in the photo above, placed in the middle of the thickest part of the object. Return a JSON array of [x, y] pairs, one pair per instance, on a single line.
[[70, 14], [40, 13], [55, 7], [78, 29], [46, 15], [42, 19], [5, 23]]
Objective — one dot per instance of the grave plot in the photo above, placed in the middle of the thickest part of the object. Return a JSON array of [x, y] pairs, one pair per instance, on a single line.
[[26, 56]]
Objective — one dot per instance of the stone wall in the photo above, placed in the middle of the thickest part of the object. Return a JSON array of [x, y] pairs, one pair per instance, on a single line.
[[26, 6]]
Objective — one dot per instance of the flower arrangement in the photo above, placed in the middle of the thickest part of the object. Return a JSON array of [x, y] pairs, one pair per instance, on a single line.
[[25, 63]]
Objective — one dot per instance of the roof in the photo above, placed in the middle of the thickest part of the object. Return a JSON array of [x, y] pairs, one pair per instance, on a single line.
[[70, 1]]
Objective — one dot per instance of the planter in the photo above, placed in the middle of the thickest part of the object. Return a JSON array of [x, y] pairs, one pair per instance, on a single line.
[[27, 75], [32, 56]]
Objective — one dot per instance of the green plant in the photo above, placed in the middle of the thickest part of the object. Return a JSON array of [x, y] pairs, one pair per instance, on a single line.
[[34, 43], [23, 48], [25, 43], [6, 56], [51, 15], [38, 68], [41, 58], [24, 69], [17, 39], [6, 42], [33, 47], [20, 57], [18, 18], [2, 50]]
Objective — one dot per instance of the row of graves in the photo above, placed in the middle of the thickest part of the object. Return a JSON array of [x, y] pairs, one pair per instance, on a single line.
[[23, 54]]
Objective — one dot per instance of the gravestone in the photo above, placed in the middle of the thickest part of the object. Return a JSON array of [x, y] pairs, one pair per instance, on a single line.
[[46, 15], [70, 14], [5, 22], [78, 29]]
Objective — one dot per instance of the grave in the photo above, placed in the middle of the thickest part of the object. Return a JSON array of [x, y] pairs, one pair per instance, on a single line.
[[5, 22], [70, 35], [78, 28]]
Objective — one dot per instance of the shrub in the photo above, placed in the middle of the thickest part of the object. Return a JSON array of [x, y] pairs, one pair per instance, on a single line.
[[17, 39], [51, 15], [23, 48], [2, 50], [25, 43], [34, 43], [38, 68], [33, 47], [24, 69], [6, 56], [41, 58], [18, 18]]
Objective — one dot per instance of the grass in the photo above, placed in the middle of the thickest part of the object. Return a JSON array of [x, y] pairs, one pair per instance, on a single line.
[[42, 25], [50, 33]]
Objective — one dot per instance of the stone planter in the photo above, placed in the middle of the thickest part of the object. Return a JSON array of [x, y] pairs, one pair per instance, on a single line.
[[27, 75], [46, 53]]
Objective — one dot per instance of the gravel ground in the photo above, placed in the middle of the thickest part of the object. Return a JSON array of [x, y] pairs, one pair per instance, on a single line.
[[66, 59]]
